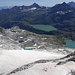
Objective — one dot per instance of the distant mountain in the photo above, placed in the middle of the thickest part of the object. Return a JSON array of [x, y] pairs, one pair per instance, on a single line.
[[36, 14], [34, 6], [72, 4], [61, 16], [61, 7]]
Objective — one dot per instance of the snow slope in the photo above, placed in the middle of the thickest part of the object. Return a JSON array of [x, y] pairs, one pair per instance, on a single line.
[[24, 62]]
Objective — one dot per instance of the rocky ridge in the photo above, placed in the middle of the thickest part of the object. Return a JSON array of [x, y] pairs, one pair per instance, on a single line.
[[22, 39]]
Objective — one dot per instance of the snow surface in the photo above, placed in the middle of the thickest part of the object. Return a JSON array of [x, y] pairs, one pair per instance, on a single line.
[[12, 59]]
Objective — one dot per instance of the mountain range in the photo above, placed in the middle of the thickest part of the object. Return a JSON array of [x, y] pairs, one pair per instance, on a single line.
[[72, 4], [61, 16]]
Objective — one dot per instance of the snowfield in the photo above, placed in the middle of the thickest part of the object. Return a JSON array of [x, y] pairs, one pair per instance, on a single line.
[[24, 62]]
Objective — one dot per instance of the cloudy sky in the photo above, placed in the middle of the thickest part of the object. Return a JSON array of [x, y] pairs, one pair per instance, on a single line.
[[29, 2]]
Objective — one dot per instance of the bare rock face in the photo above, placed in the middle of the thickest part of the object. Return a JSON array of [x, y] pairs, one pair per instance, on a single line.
[[16, 38], [2, 30], [70, 57], [29, 39], [6, 43]]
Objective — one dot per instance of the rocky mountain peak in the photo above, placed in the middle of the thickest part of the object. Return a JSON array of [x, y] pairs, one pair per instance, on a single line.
[[35, 5], [61, 7], [72, 4], [64, 3]]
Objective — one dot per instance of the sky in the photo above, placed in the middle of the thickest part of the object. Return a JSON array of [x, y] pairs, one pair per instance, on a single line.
[[29, 2]]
